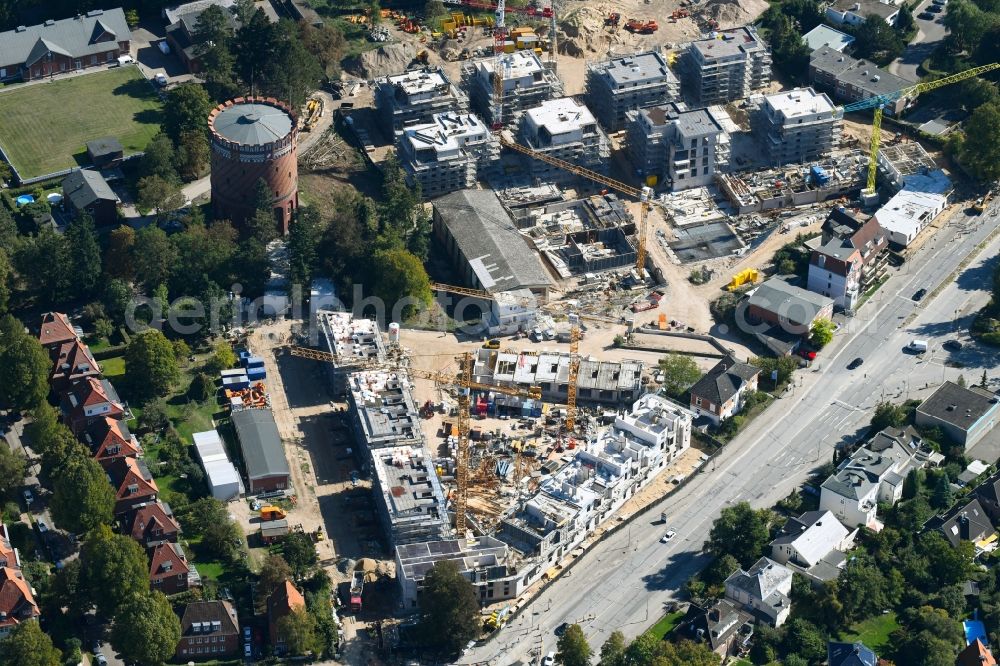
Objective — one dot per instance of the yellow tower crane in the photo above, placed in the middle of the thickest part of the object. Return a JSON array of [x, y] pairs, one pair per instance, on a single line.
[[464, 385], [878, 102], [643, 194]]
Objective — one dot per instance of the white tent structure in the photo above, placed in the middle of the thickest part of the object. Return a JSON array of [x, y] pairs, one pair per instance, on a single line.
[[223, 480]]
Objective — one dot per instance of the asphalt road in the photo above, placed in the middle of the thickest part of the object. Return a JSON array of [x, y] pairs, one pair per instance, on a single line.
[[625, 581], [929, 34]]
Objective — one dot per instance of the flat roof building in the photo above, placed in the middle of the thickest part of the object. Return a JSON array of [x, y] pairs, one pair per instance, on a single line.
[[854, 12], [413, 98], [728, 66], [223, 481], [353, 342], [793, 308], [609, 382], [485, 246], [451, 152], [383, 411], [408, 496], [965, 414], [824, 35], [851, 80], [908, 213], [684, 147], [798, 126], [626, 83], [526, 83], [263, 452], [483, 561], [566, 129]]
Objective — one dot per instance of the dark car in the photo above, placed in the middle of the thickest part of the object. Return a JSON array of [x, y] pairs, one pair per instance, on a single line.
[[952, 345], [561, 629], [935, 9], [925, 16], [856, 363], [920, 293]]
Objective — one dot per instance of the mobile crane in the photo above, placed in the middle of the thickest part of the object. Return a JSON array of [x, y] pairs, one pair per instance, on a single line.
[[878, 103]]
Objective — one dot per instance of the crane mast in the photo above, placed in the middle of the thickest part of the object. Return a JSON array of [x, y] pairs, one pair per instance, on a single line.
[[499, 37]]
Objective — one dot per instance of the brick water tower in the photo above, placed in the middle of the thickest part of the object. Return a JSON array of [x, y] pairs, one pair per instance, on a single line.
[[253, 139]]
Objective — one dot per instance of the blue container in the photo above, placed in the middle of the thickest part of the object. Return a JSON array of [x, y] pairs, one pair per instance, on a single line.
[[254, 362], [256, 376]]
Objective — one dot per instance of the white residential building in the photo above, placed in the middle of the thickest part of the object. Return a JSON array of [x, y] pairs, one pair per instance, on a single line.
[[526, 83], [411, 98], [798, 126], [624, 83], [814, 543], [726, 66], [452, 152], [855, 12], [908, 213], [763, 590], [566, 129]]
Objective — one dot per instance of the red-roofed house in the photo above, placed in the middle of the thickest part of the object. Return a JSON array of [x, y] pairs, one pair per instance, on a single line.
[[17, 602], [976, 654], [71, 361], [109, 439], [133, 484], [282, 601], [209, 629], [9, 557], [152, 524], [88, 400], [55, 330], [169, 571]]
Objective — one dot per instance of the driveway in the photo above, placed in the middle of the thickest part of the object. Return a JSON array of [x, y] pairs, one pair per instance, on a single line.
[[929, 35], [152, 61]]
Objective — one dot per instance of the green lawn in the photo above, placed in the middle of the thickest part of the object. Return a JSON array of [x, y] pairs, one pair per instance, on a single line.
[[44, 126], [210, 570], [665, 625], [873, 632], [113, 368]]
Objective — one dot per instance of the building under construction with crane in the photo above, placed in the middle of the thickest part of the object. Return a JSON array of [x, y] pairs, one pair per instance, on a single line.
[[527, 82], [565, 129], [452, 152], [626, 83], [415, 97], [354, 342]]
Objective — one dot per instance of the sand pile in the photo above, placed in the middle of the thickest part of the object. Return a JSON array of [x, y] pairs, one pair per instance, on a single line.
[[731, 14], [383, 61], [583, 31]]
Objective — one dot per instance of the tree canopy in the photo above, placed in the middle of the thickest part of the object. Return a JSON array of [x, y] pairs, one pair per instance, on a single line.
[[740, 531], [28, 645], [115, 568], [24, 367], [151, 364], [573, 649], [146, 630], [679, 373], [449, 609], [82, 498]]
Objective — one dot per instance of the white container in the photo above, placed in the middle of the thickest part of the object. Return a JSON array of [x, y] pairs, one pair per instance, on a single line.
[[394, 333]]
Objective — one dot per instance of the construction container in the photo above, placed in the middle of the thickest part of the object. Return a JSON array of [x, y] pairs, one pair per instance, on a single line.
[[253, 362], [256, 374], [651, 181], [237, 383], [509, 46]]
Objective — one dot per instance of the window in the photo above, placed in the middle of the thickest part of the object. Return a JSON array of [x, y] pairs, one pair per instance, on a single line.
[[93, 59]]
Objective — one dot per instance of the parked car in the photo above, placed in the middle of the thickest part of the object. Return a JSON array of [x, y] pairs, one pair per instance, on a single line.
[[855, 364], [935, 9], [247, 650], [246, 634], [920, 293], [952, 345], [100, 660], [561, 629], [28, 497], [807, 354], [925, 16], [668, 536], [42, 527], [161, 79], [549, 659]]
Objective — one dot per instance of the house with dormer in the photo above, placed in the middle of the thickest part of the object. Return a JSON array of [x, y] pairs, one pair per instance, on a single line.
[[94, 39], [133, 484], [762, 590], [284, 600], [71, 362], [813, 544], [87, 401], [152, 524], [56, 330], [17, 600], [722, 626], [109, 439], [721, 392], [871, 475], [209, 630], [967, 522], [169, 571]]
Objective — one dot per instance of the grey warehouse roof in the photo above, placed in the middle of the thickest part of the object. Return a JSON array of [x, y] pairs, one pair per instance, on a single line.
[[253, 124], [260, 442], [961, 407], [84, 187], [797, 305], [861, 74], [482, 229], [72, 37]]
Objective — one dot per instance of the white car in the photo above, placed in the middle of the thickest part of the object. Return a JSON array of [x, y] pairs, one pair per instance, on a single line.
[[160, 78], [549, 659], [668, 536]]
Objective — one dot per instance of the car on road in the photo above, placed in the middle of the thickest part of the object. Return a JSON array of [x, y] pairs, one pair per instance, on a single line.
[[919, 294], [246, 634], [925, 16], [96, 647], [42, 527], [561, 629], [668, 536], [952, 345], [855, 364], [28, 497], [549, 659], [247, 650]]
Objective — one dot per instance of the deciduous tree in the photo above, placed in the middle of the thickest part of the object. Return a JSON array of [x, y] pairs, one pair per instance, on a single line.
[[273, 572], [118, 256], [13, 467], [982, 156], [821, 332], [299, 552], [82, 498], [401, 275], [24, 367], [679, 373], [186, 110], [573, 649], [449, 609], [28, 645], [150, 364], [613, 650], [146, 629], [155, 193], [115, 569], [85, 259], [298, 629], [740, 531]]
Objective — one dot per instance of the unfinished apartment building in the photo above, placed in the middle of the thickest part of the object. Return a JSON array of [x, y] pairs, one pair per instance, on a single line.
[[626, 83], [798, 126], [582, 236], [526, 83], [566, 129], [382, 410], [408, 496], [452, 152], [412, 98], [683, 147], [604, 382], [353, 343], [726, 67]]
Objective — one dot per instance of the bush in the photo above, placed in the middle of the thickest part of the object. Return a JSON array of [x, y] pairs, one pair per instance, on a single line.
[[202, 387]]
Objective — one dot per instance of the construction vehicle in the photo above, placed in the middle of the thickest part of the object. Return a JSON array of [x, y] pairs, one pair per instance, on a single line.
[[680, 13], [497, 619], [268, 513], [545, 12], [980, 205], [878, 103], [317, 535], [643, 195], [613, 19], [638, 27], [357, 590]]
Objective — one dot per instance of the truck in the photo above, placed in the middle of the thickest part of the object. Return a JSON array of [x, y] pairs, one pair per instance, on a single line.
[[357, 588], [497, 619], [980, 205], [269, 513]]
